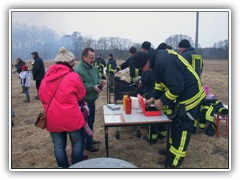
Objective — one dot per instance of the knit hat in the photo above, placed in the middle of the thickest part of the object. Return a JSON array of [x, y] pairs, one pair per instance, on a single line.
[[184, 44], [162, 46], [140, 59], [146, 45], [132, 50], [64, 55], [36, 53], [24, 68]]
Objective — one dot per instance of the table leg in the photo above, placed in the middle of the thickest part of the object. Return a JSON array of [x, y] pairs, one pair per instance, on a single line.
[[106, 141], [218, 125], [167, 143]]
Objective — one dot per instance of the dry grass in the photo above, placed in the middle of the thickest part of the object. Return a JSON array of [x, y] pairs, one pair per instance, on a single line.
[[32, 147]]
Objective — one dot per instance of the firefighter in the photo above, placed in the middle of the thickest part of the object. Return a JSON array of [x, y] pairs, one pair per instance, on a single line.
[[111, 66], [208, 108], [182, 88], [188, 52], [134, 72], [100, 64], [194, 59]]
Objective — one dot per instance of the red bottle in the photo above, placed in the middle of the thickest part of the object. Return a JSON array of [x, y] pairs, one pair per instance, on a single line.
[[128, 105]]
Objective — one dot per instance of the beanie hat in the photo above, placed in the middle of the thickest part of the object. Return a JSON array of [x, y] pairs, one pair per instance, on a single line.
[[140, 59], [64, 55], [162, 46], [36, 53], [24, 68], [184, 44], [132, 50], [146, 45]]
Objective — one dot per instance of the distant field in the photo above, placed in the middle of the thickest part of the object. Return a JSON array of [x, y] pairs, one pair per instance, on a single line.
[[32, 147]]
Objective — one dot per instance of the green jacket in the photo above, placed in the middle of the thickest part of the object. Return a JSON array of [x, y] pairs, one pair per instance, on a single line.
[[90, 77]]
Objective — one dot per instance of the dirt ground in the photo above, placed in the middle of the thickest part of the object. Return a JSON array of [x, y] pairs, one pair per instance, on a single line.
[[32, 147]]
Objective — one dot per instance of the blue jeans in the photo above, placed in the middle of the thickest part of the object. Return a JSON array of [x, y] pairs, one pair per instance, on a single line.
[[60, 142], [90, 119], [25, 90]]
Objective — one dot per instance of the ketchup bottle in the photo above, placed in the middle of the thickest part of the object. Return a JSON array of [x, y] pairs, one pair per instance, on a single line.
[[128, 105]]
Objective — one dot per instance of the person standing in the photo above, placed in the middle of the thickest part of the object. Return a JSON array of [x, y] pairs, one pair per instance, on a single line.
[[182, 88], [189, 53], [19, 63], [110, 71], [25, 82], [91, 80], [134, 72], [60, 91], [38, 70], [100, 64]]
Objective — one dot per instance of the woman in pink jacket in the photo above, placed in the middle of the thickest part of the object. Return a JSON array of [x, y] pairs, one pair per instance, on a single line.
[[60, 91]]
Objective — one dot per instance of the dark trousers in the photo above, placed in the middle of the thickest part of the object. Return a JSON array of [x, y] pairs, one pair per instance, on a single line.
[[38, 83], [90, 119], [180, 138]]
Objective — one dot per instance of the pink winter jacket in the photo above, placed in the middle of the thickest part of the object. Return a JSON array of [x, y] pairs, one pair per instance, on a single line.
[[63, 113]]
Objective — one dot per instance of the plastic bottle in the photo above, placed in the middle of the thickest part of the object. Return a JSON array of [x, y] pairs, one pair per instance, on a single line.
[[124, 102], [128, 105]]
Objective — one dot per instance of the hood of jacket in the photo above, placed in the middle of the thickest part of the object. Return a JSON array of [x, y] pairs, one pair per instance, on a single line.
[[56, 72]]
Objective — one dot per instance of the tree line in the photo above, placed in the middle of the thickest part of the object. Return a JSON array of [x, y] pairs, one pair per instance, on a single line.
[[26, 39]]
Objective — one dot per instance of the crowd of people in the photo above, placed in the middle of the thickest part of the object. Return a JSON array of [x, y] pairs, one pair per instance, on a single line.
[[169, 79]]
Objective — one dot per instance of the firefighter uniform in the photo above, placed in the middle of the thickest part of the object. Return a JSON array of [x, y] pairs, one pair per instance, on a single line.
[[100, 64], [134, 72], [181, 86], [111, 66], [194, 59], [208, 108]]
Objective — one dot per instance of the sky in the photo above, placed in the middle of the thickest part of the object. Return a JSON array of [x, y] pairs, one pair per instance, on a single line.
[[155, 27]]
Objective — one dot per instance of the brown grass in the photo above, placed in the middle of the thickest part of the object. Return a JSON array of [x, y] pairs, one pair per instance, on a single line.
[[32, 147]]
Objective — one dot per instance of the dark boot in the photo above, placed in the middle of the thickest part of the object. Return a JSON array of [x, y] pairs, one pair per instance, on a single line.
[[27, 99]]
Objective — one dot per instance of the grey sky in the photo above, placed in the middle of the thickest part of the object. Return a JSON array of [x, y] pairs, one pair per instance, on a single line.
[[137, 26]]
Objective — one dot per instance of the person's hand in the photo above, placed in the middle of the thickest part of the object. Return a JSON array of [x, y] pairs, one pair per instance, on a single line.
[[149, 101], [158, 103], [103, 82], [97, 89]]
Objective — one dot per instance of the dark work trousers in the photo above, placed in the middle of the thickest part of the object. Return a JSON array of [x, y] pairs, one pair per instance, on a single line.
[[90, 119], [180, 138], [38, 83]]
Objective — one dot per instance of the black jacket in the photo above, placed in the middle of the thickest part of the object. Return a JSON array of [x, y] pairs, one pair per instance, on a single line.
[[134, 72], [111, 66], [176, 79], [38, 69], [194, 59], [19, 66], [147, 84]]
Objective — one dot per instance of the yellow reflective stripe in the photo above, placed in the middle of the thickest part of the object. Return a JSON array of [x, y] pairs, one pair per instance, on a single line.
[[189, 67], [202, 126], [194, 98], [194, 64], [119, 67], [204, 107], [164, 133], [136, 72], [193, 105], [176, 152], [170, 96], [180, 151], [158, 87], [195, 123], [208, 114], [199, 58], [170, 140]]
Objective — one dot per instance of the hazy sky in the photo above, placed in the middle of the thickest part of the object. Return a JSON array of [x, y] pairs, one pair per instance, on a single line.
[[137, 26]]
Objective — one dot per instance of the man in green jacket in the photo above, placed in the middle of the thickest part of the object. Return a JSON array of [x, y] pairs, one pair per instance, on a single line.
[[92, 82]]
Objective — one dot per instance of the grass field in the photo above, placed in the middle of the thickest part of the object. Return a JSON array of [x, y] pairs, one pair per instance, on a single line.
[[32, 147]]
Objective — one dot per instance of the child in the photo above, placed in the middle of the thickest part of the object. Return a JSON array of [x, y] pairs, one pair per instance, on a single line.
[[84, 108], [25, 81]]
